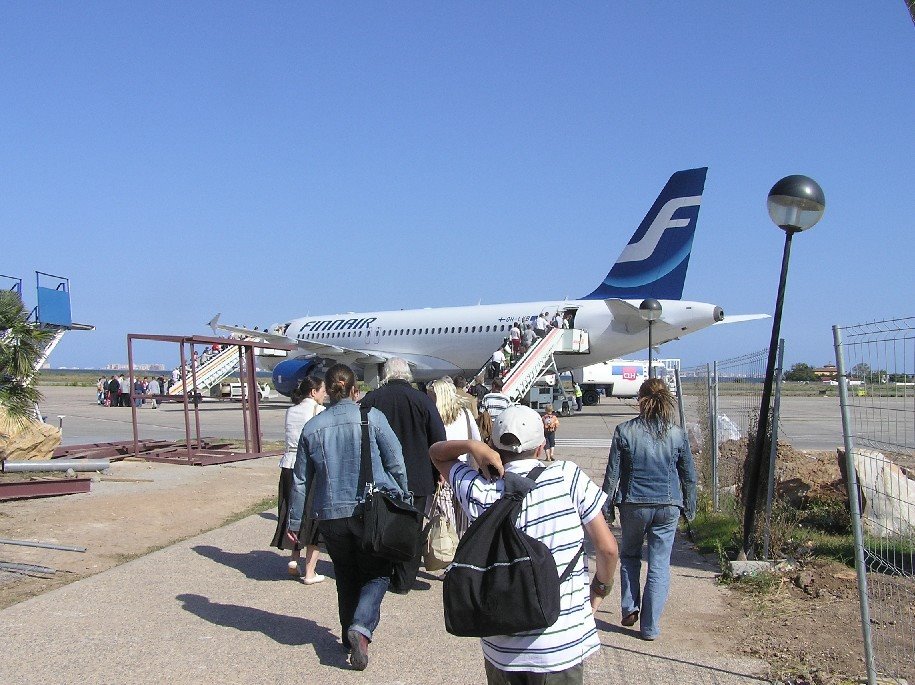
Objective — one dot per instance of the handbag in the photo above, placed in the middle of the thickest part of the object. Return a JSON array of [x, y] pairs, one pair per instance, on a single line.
[[442, 540], [391, 524]]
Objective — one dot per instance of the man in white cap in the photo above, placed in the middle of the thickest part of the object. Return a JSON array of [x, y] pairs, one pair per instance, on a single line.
[[562, 503]]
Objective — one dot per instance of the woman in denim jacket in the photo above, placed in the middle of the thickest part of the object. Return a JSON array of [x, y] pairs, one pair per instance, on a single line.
[[330, 452], [651, 479]]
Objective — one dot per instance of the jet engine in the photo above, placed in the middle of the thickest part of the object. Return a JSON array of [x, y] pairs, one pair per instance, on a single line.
[[288, 374]]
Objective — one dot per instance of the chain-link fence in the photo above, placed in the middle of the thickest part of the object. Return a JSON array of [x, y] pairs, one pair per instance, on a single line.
[[876, 365], [731, 391]]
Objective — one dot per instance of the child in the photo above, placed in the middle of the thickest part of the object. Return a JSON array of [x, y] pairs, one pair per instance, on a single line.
[[550, 424]]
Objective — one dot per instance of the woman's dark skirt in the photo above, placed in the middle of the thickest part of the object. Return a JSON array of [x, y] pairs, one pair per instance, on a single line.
[[308, 530]]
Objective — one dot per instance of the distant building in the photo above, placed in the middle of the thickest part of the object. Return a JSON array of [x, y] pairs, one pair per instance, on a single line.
[[828, 372], [136, 367]]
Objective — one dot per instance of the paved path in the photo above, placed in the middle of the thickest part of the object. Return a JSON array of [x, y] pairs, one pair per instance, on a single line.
[[219, 608]]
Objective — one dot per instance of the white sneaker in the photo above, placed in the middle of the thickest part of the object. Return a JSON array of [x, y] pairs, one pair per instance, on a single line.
[[315, 579]]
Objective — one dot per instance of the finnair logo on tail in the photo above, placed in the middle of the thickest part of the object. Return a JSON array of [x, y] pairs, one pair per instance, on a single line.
[[643, 249]]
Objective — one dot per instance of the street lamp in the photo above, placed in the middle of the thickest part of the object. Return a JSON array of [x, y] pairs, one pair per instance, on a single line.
[[650, 310], [795, 204]]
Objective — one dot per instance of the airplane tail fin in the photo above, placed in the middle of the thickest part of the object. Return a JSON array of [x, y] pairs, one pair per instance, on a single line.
[[654, 262]]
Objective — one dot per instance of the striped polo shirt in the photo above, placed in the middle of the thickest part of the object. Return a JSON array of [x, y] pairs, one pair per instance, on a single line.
[[554, 512]]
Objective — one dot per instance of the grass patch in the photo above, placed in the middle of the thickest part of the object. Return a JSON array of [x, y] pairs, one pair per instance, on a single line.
[[256, 508], [716, 532]]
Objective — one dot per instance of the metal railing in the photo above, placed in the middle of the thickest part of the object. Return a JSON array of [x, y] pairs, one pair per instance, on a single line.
[[876, 373]]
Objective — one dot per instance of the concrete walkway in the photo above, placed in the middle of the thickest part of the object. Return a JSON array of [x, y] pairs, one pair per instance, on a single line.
[[219, 609]]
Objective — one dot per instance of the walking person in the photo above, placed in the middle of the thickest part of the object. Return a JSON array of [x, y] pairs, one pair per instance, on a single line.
[[153, 389], [459, 425], [416, 422], [550, 424], [495, 402], [540, 325], [651, 479], [114, 392], [330, 453], [563, 505], [527, 338], [515, 335], [308, 402]]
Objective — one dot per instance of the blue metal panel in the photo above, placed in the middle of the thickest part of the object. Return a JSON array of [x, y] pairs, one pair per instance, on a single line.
[[54, 307]]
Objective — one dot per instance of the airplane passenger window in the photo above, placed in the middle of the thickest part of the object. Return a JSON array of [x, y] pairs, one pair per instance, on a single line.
[[487, 329], [452, 329]]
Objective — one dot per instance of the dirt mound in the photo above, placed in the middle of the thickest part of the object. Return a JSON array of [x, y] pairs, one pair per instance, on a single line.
[[800, 475]]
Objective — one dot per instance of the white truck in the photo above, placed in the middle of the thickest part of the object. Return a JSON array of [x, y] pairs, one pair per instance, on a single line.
[[619, 377]]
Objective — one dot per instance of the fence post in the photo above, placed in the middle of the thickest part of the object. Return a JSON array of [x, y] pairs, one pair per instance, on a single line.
[[852, 476], [773, 446], [714, 419], [680, 399]]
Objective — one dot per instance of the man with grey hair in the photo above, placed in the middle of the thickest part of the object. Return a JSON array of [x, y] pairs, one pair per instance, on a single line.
[[417, 424]]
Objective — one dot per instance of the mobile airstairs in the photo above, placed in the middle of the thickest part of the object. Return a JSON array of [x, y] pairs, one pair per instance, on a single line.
[[210, 373], [540, 359], [52, 313]]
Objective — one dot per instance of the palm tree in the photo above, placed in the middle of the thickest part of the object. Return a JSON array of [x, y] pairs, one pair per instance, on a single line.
[[21, 345]]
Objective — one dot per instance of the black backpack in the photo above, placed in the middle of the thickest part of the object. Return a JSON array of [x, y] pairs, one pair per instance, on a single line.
[[503, 581]]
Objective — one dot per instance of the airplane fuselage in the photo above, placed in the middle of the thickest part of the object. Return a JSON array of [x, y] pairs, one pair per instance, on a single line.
[[459, 340]]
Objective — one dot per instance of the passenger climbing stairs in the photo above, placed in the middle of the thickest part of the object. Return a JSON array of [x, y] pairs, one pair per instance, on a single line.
[[210, 373], [539, 360]]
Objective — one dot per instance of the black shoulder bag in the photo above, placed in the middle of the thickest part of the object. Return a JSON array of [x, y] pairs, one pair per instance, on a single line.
[[391, 524]]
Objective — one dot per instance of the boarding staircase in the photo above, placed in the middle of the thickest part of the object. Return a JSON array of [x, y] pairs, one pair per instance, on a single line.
[[211, 373], [57, 334], [540, 359]]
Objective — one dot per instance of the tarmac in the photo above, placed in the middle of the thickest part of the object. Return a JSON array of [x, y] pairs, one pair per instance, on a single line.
[[220, 607]]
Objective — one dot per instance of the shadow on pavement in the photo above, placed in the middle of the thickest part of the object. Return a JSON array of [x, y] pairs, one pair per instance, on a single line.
[[259, 564], [286, 630], [613, 628], [682, 662]]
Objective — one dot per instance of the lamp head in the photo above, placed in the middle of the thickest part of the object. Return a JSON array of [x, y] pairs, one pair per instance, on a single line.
[[650, 309], [796, 203]]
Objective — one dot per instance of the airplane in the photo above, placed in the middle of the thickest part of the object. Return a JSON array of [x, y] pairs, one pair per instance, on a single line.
[[460, 340]]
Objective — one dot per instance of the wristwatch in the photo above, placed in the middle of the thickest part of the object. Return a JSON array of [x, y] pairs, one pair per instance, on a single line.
[[599, 588]]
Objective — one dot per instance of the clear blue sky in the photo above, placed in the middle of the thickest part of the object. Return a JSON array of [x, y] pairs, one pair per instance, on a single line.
[[268, 160]]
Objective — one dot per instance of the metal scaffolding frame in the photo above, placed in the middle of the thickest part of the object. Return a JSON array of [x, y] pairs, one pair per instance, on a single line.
[[197, 451]]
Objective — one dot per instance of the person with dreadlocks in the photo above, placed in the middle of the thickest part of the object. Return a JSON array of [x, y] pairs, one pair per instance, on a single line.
[[651, 479]]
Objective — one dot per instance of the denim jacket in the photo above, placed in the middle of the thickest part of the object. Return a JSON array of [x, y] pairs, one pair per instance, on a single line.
[[646, 469], [330, 453]]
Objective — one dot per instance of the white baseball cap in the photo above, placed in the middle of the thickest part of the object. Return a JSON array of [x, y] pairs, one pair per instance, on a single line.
[[517, 429]]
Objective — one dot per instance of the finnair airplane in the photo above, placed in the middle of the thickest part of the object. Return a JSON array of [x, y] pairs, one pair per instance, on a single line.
[[459, 340]]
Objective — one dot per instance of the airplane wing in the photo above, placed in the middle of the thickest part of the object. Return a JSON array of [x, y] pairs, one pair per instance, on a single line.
[[737, 318], [344, 355]]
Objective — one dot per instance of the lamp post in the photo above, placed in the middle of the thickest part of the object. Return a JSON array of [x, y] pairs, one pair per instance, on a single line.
[[795, 204], [650, 310]]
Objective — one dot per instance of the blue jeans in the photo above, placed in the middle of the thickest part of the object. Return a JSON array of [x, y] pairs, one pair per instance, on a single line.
[[362, 579], [659, 524]]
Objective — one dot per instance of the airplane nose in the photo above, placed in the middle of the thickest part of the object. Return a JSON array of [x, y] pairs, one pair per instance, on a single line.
[[719, 314]]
